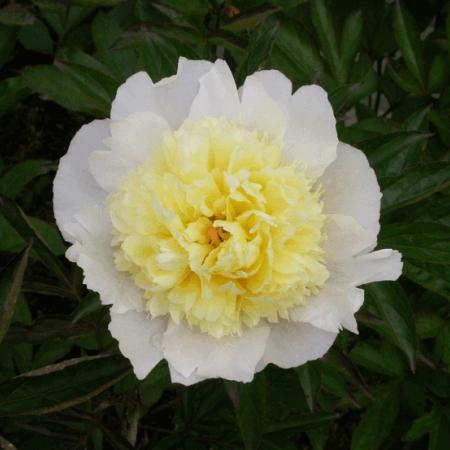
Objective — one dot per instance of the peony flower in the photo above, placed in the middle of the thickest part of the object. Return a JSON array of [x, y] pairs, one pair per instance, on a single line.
[[228, 229]]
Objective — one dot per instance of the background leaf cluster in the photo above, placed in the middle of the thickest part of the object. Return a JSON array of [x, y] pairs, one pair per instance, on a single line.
[[385, 65]]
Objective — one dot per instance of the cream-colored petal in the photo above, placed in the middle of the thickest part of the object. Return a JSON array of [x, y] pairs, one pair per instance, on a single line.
[[259, 111], [217, 95], [170, 98], [350, 188], [291, 344], [231, 357], [139, 339], [131, 143], [93, 253], [331, 309], [74, 188], [311, 136]]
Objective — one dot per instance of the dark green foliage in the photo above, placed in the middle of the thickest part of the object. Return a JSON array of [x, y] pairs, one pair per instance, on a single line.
[[385, 66]]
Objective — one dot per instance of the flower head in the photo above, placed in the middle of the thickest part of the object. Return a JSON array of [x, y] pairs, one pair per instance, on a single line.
[[227, 229]]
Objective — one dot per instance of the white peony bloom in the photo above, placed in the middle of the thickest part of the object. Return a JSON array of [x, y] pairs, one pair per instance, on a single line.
[[227, 228]]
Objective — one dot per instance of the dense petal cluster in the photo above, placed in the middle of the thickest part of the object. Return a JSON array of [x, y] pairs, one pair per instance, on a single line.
[[228, 229], [217, 231]]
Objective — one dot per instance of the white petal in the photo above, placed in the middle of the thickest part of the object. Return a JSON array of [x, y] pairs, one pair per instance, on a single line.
[[331, 309], [132, 140], [381, 265], [181, 91], [137, 135], [345, 238], [176, 377], [351, 188], [278, 86], [231, 357], [108, 168], [259, 111], [171, 98], [74, 188], [94, 254], [137, 94], [291, 344], [139, 339], [217, 95], [311, 137]]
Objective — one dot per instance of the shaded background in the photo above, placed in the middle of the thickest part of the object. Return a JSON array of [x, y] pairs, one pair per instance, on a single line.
[[385, 65]]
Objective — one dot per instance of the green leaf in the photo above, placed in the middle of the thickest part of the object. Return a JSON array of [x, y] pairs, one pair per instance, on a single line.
[[426, 242], [152, 387], [442, 347], [352, 34], [97, 2], [11, 241], [344, 97], [428, 325], [105, 31], [324, 27], [36, 37], [12, 92], [417, 121], [157, 55], [447, 29], [376, 422], [250, 407], [193, 7], [404, 80], [301, 423], [440, 119], [17, 178], [414, 185], [7, 42], [73, 88], [60, 386], [389, 154], [19, 221], [10, 284], [394, 308], [440, 434], [295, 54], [16, 15], [249, 18], [386, 361], [48, 329], [438, 74], [309, 378], [365, 129], [90, 304], [408, 39], [50, 5], [50, 352], [115, 439], [22, 313], [261, 41], [318, 438], [435, 277], [75, 56], [421, 426]]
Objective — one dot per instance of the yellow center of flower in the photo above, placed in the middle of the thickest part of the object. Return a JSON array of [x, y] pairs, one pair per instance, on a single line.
[[217, 230]]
